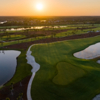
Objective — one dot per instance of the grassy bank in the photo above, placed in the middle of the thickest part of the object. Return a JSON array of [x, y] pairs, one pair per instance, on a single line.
[[83, 80], [22, 70]]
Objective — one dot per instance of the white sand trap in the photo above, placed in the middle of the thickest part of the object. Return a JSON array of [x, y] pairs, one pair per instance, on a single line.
[[97, 97], [90, 52], [36, 67]]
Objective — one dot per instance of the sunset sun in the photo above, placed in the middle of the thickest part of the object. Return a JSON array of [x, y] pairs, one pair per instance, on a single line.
[[39, 6]]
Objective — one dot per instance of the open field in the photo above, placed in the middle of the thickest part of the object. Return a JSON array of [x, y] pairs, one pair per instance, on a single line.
[[84, 87]]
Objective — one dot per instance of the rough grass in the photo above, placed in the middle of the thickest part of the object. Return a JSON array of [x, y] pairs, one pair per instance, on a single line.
[[13, 37], [67, 73], [48, 55]]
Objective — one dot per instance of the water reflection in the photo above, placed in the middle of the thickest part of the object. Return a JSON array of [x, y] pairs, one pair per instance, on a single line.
[[35, 27], [8, 64], [3, 22]]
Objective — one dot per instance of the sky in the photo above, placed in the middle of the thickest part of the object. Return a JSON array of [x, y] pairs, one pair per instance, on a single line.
[[50, 8]]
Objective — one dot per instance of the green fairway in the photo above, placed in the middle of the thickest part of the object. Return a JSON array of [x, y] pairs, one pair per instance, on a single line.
[[67, 73], [83, 76]]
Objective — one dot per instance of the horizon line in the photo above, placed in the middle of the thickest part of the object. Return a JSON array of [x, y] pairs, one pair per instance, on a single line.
[[55, 16]]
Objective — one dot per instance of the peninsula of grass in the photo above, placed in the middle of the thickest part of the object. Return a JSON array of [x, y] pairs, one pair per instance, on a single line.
[[22, 69], [73, 79]]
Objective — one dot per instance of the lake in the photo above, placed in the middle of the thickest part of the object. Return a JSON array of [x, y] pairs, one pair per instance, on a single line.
[[8, 63]]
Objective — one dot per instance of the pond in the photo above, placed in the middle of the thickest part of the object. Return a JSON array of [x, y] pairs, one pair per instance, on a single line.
[[8, 63], [35, 27], [90, 52]]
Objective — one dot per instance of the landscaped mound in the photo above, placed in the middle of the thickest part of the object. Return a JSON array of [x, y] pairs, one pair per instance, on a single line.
[[67, 73]]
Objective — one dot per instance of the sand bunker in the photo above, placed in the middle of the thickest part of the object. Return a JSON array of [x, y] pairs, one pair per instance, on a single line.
[[90, 52], [97, 97], [36, 67]]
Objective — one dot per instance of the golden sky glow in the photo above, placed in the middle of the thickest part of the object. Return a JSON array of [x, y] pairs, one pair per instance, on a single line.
[[49, 7], [39, 6]]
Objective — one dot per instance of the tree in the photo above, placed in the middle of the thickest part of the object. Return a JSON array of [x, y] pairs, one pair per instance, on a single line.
[[1, 43], [12, 84], [54, 34], [20, 84], [26, 32], [20, 96], [7, 34], [7, 98], [11, 89]]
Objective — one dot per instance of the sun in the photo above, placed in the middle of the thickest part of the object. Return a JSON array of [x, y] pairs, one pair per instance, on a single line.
[[39, 6]]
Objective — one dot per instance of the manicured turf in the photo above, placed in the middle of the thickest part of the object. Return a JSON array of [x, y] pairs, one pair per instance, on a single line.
[[67, 73], [49, 55]]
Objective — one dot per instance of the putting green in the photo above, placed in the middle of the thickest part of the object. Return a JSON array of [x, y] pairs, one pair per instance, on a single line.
[[67, 73]]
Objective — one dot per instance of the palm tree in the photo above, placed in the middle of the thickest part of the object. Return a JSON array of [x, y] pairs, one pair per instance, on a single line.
[[27, 31], [53, 27], [1, 43], [7, 35], [20, 84], [1, 36], [20, 96], [7, 98], [54, 34], [11, 89], [12, 85]]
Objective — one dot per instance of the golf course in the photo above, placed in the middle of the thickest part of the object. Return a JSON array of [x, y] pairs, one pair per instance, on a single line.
[[61, 75], [50, 50]]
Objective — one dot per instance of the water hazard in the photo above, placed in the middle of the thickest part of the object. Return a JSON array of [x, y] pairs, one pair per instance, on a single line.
[[35, 27], [8, 63]]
